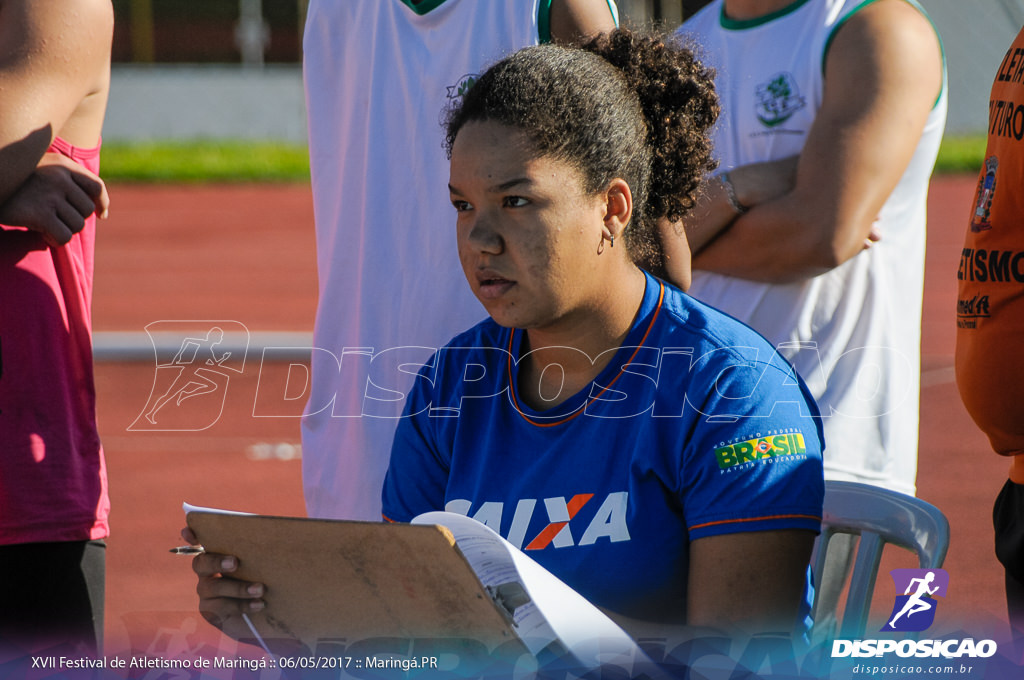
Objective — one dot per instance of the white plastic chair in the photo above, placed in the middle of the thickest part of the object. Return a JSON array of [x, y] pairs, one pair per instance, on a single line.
[[878, 516]]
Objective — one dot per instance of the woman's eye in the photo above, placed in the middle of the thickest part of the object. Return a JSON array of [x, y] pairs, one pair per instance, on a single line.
[[515, 202], [461, 206]]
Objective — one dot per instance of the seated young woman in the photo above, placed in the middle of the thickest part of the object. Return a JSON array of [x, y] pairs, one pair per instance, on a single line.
[[656, 455]]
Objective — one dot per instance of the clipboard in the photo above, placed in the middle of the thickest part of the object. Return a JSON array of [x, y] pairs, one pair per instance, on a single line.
[[337, 579]]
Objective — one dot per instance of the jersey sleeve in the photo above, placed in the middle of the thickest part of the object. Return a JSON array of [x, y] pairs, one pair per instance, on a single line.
[[417, 474], [753, 461]]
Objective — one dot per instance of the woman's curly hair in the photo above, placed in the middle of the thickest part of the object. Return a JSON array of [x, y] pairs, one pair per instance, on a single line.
[[626, 104]]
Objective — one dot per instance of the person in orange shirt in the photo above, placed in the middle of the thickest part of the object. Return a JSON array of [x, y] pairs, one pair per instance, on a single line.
[[990, 313]]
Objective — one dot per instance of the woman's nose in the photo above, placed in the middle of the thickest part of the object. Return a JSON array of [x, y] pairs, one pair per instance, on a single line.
[[484, 236]]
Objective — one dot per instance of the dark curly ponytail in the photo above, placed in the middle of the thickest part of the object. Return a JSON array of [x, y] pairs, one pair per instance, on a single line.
[[626, 104]]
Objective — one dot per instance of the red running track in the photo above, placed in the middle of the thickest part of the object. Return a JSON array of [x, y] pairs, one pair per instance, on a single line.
[[246, 254]]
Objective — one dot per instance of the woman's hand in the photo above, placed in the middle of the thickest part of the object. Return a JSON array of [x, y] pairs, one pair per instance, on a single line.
[[56, 200], [222, 598]]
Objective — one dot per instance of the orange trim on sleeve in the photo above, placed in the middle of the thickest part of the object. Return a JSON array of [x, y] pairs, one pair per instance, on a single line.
[[816, 518], [388, 519]]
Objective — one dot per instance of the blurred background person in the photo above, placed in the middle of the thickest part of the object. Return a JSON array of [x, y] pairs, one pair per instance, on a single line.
[[852, 114], [990, 315], [378, 76], [54, 76], [814, 233]]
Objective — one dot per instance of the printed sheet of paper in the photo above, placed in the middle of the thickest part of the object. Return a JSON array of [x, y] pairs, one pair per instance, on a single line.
[[554, 611]]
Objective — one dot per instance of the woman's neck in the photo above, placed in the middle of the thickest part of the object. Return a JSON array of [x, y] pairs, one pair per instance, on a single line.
[[560, 361]]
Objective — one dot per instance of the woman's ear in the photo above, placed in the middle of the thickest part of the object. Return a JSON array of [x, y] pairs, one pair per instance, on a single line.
[[618, 208]]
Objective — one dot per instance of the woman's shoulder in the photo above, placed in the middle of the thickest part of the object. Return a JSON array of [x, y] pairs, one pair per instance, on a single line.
[[727, 353], [708, 328]]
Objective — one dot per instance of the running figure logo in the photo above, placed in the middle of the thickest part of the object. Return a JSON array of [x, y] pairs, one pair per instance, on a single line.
[[199, 372], [914, 610]]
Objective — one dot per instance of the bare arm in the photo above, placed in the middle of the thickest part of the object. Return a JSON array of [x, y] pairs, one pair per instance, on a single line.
[[54, 68], [882, 75], [748, 583], [56, 199], [714, 213], [574, 20], [54, 77], [753, 185]]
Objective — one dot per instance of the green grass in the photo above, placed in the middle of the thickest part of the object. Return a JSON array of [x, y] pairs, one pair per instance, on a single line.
[[227, 161], [205, 161], [961, 153]]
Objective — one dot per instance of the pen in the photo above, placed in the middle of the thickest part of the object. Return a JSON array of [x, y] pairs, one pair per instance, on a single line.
[[188, 550], [259, 638]]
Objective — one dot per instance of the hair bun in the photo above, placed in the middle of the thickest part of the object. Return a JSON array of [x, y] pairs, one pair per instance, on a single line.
[[677, 95]]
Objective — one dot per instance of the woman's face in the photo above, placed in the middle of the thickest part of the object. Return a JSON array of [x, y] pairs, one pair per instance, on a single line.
[[529, 236]]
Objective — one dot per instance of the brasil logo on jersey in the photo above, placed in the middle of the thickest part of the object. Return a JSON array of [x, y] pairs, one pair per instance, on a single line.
[[760, 448], [778, 99]]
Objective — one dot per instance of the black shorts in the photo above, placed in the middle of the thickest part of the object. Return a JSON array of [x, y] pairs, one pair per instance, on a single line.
[[1008, 521], [51, 597]]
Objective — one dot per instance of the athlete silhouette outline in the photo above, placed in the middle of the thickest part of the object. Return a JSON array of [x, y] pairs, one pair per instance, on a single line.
[[179, 389]]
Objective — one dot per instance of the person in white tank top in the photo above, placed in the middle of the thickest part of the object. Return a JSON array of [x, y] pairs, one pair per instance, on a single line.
[[378, 74], [814, 233], [832, 114]]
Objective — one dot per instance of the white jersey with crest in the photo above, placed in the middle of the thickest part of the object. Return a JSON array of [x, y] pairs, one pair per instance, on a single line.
[[378, 76], [854, 332]]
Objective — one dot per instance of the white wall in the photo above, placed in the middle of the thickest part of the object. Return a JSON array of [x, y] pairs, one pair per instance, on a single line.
[[217, 102]]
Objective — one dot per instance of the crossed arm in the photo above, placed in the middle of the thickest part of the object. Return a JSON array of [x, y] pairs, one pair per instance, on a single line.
[[54, 77], [574, 20], [811, 213]]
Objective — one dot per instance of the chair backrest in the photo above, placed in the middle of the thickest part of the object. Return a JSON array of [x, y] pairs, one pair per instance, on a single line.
[[878, 516]]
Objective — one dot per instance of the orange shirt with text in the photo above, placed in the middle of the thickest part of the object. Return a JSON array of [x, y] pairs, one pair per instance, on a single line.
[[990, 304]]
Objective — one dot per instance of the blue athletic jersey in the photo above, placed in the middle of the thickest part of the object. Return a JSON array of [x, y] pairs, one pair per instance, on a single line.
[[696, 427]]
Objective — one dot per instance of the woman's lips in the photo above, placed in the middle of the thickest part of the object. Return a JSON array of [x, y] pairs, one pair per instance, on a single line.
[[491, 286]]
